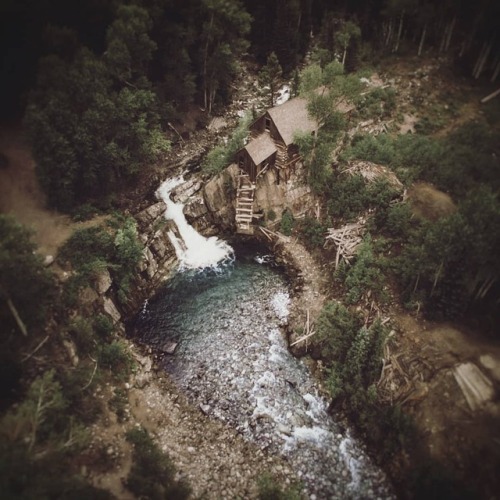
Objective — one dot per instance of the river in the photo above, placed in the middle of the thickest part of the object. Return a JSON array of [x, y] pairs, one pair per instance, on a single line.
[[225, 309]]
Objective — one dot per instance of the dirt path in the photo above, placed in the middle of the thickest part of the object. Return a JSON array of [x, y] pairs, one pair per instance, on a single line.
[[21, 196]]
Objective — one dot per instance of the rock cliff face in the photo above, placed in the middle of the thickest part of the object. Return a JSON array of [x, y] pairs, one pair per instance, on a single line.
[[293, 195], [210, 209]]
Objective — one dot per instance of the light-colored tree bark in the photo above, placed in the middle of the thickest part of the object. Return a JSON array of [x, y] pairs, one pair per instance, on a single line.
[[400, 30], [450, 34], [496, 72], [422, 40]]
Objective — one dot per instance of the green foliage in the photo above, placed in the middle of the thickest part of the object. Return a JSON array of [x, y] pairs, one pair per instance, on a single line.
[[27, 289], [287, 223], [82, 333], [152, 475], [89, 134], [129, 48], [399, 220], [271, 215], [350, 195], [455, 164], [337, 89], [39, 415], [364, 276], [24, 477], [336, 327], [116, 358], [103, 326], [378, 103], [222, 156], [269, 489], [444, 263], [270, 76], [23, 278], [224, 24], [93, 250], [118, 404], [353, 356], [312, 232]]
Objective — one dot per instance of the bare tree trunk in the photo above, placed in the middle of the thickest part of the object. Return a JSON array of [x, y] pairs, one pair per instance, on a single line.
[[205, 63], [491, 96], [478, 60], [443, 40], [483, 61], [400, 30], [450, 33], [496, 72], [422, 40], [389, 34], [18, 319], [344, 55]]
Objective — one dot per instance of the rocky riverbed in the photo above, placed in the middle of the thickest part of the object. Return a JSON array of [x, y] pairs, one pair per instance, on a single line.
[[233, 363]]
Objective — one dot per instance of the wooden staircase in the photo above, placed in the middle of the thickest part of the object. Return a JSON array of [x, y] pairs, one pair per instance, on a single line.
[[244, 204]]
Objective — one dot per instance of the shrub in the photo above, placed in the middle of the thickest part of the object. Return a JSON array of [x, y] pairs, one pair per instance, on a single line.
[[152, 474], [271, 215], [364, 275], [116, 358], [379, 103], [103, 326], [336, 327], [82, 333], [313, 232], [287, 223], [222, 156], [91, 250], [398, 221]]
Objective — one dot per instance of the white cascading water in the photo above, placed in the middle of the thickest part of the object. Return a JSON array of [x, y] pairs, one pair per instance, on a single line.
[[193, 250]]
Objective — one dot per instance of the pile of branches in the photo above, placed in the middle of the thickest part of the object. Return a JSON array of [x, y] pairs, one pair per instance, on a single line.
[[373, 171], [347, 239]]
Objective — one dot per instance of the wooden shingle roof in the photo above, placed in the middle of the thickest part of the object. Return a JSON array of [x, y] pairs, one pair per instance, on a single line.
[[292, 117], [261, 148]]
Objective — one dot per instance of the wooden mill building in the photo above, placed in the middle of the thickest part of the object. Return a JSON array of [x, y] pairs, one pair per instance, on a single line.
[[271, 138], [271, 145]]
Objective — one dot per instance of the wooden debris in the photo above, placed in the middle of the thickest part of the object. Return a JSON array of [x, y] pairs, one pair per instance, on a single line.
[[347, 239], [309, 331], [270, 235], [476, 387], [372, 171]]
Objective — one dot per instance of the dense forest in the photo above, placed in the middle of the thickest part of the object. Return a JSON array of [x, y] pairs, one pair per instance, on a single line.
[[100, 88]]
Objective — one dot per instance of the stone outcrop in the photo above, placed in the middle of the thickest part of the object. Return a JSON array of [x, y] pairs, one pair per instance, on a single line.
[[219, 196], [210, 209], [293, 195]]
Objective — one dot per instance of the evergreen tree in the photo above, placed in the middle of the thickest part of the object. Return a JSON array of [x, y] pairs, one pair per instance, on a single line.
[[270, 76], [223, 31]]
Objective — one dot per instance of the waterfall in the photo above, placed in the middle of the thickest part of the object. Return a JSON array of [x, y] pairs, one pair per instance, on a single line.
[[193, 250]]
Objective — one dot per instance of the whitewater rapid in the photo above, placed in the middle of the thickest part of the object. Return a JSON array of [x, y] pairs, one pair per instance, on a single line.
[[193, 250], [233, 362]]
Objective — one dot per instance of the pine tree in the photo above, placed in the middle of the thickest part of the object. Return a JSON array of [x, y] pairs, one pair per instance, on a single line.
[[270, 76]]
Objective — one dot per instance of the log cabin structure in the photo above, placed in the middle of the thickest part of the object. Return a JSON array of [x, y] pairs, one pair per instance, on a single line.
[[271, 145], [271, 142]]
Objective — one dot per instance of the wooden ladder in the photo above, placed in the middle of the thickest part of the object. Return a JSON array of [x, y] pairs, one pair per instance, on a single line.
[[244, 204]]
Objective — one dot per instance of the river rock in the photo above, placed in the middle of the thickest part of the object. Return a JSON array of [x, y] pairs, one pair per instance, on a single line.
[[103, 282], [150, 214], [110, 309], [48, 261], [169, 347]]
